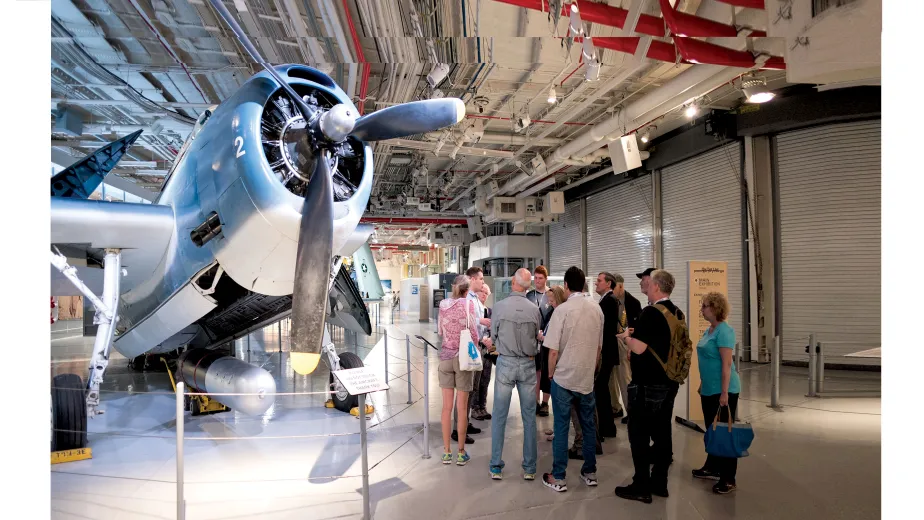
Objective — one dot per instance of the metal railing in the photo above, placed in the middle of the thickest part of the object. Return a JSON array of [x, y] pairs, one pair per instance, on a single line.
[[181, 393], [816, 351]]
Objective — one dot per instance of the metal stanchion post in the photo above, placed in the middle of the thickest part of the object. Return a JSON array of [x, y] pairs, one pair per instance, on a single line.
[[407, 342], [820, 369], [386, 359], [775, 374], [813, 360], [365, 456], [738, 356], [426, 392], [180, 501]]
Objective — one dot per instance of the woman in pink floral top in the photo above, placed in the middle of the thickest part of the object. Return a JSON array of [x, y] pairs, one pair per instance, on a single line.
[[456, 314]]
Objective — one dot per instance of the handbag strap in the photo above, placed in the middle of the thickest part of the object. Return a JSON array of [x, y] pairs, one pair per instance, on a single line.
[[716, 420]]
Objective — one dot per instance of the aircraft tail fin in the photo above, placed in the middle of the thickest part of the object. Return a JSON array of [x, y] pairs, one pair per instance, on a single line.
[[81, 179]]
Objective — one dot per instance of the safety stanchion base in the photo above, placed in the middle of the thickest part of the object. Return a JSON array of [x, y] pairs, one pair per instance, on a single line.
[[689, 424], [58, 457], [369, 410]]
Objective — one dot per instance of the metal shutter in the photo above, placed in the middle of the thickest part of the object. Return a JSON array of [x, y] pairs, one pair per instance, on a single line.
[[701, 211], [565, 240], [829, 202], [619, 238]]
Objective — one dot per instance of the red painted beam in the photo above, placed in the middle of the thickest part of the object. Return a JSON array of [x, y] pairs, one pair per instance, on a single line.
[[681, 24], [753, 4], [691, 51]]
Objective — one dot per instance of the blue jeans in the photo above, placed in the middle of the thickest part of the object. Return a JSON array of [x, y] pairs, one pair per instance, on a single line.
[[562, 400], [510, 372]]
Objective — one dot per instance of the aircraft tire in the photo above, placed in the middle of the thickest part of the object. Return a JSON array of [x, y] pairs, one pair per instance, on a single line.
[[347, 360], [68, 413]]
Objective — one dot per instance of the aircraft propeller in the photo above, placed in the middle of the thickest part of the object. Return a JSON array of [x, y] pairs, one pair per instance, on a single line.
[[315, 239]]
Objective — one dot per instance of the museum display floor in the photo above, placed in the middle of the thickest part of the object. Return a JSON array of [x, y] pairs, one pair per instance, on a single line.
[[817, 458]]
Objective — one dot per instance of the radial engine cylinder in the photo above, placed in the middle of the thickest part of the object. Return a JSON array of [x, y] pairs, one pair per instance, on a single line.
[[213, 372]]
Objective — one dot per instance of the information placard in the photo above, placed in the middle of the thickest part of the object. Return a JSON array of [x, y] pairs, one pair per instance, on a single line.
[[362, 380], [703, 277]]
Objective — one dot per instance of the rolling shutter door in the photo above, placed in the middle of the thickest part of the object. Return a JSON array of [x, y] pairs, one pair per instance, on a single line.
[[830, 214], [619, 238], [565, 240], [701, 207]]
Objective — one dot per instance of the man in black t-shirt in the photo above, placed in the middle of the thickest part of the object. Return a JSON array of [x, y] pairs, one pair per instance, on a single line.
[[651, 393]]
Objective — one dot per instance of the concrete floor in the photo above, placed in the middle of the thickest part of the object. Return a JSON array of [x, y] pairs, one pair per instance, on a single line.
[[817, 458]]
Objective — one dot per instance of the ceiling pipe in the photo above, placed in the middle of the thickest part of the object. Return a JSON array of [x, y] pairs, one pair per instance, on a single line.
[[594, 12], [691, 51], [360, 57], [683, 88], [506, 139], [414, 220]]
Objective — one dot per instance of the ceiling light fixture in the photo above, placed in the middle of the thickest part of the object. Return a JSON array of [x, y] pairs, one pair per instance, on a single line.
[[646, 136], [756, 91], [552, 96], [691, 111], [575, 27]]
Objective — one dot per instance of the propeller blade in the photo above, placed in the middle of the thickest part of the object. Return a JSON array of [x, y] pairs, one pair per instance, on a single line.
[[255, 54], [407, 119], [312, 269]]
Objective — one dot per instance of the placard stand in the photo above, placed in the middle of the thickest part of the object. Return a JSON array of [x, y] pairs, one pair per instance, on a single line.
[[359, 382]]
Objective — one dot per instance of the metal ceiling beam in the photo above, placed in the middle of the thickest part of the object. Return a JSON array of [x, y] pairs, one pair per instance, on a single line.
[[445, 150], [125, 102]]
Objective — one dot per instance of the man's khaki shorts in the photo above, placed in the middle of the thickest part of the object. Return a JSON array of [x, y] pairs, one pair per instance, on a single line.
[[451, 376]]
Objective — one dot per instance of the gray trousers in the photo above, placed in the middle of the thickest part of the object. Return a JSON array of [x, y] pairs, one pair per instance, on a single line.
[[620, 379], [578, 434]]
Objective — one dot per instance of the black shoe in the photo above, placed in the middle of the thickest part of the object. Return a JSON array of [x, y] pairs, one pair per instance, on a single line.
[[659, 488], [575, 454], [625, 420], [543, 410], [472, 430], [617, 415], [455, 437], [610, 433], [632, 492], [723, 488], [705, 474]]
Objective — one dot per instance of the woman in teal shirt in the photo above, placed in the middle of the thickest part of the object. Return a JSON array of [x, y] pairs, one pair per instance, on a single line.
[[719, 385]]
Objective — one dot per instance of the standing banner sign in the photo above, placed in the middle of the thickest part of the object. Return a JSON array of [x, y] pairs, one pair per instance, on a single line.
[[703, 277]]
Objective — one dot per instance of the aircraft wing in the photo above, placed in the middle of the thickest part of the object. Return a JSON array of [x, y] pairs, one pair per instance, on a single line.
[[83, 229]]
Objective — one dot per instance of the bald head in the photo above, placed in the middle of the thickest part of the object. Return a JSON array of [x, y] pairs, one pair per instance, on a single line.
[[521, 280]]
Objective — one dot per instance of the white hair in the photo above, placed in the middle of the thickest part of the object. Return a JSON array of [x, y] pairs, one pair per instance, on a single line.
[[523, 278]]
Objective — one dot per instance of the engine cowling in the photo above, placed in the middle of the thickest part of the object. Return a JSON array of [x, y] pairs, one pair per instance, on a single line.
[[255, 180]]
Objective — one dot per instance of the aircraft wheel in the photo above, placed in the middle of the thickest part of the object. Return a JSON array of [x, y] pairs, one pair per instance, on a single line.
[[343, 400], [68, 413], [137, 363]]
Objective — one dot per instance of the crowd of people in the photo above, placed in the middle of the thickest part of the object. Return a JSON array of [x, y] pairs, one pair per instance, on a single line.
[[596, 362]]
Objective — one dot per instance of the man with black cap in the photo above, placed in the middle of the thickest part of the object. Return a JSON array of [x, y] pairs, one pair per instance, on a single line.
[[645, 277]]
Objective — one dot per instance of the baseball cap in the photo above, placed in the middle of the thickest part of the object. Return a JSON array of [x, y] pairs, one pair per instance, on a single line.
[[646, 272]]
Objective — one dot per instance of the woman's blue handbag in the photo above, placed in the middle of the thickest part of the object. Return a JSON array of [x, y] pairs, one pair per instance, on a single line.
[[732, 441]]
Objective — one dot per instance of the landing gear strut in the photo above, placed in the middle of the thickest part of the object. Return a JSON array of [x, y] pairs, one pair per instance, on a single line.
[[67, 417]]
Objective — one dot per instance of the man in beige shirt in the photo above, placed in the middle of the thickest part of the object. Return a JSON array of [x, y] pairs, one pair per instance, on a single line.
[[574, 339]]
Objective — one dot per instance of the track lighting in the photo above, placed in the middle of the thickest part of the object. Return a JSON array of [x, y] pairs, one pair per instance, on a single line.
[[552, 97]]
